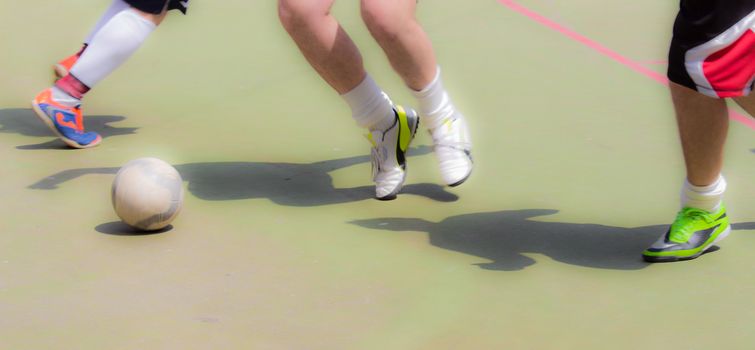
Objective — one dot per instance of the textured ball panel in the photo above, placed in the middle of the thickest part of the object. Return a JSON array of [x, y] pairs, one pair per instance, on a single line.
[[147, 193]]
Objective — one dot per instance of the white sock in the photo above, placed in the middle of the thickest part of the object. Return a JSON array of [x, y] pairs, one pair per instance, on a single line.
[[707, 198], [111, 46], [434, 104], [64, 98], [116, 7], [370, 106]]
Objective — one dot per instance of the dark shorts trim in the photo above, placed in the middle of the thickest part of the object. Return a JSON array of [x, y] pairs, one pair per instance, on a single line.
[[713, 52], [157, 6]]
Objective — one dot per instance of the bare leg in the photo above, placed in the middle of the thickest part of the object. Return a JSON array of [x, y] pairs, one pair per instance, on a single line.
[[703, 124], [393, 24], [323, 42], [156, 19], [747, 103]]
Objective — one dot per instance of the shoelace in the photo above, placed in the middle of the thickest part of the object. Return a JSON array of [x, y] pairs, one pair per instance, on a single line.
[[684, 223]]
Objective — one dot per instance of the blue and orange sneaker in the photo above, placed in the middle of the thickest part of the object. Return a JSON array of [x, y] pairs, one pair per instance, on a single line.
[[66, 122], [64, 66]]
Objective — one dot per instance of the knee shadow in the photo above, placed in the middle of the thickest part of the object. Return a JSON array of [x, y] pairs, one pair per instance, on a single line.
[[24, 121], [290, 184], [504, 237]]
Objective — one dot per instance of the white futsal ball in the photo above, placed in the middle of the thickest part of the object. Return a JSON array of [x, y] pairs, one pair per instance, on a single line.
[[147, 193]]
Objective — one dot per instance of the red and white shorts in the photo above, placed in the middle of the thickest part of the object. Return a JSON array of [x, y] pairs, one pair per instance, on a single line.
[[713, 48]]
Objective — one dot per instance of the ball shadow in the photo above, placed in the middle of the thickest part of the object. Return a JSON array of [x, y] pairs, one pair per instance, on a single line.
[[118, 228]]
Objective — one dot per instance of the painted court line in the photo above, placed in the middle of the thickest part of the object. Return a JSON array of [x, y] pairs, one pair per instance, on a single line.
[[653, 62], [635, 66]]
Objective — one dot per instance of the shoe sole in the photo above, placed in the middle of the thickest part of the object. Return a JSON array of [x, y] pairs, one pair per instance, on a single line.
[[45, 119], [457, 183], [391, 196], [394, 194], [662, 259]]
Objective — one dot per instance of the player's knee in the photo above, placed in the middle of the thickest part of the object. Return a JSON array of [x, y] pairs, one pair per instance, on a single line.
[[156, 19], [383, 22], [294, 13]]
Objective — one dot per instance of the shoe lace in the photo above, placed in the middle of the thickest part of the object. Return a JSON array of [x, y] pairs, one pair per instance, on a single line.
[[685, 223]]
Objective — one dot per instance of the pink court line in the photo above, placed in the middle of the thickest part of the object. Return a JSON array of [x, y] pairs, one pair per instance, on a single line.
[[635, 66], [653, 62]]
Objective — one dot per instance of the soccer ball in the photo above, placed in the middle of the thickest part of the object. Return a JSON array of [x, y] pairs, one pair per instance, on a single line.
[[147, 193]]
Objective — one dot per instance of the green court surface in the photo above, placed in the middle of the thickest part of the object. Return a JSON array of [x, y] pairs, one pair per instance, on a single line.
[[280, 244]]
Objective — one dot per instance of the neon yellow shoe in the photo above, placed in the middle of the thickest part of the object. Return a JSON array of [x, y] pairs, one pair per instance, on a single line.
[[693, 232], [389, 149]]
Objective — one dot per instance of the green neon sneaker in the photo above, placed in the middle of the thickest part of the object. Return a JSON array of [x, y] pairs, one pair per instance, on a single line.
[[691, 234], [389, 149]]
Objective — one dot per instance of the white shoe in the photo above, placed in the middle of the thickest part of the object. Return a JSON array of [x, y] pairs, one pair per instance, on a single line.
[[389, 149], [453, 149]]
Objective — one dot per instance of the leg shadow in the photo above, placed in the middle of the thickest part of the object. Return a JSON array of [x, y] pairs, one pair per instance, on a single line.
[[290, 184], [504, 237]]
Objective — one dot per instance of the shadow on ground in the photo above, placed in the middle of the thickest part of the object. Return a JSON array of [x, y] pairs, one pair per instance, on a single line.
[[291, 184], [504, 237], [118, 228], [25, 122]]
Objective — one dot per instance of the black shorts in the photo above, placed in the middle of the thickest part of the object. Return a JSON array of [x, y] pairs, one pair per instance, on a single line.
[[713, 47], [157, 6]]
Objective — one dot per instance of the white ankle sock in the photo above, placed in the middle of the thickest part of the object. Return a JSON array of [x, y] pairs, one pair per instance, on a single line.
[[707, 198], [64, 98], [370, 106], [111, 46], [434, 104], [116, 7]]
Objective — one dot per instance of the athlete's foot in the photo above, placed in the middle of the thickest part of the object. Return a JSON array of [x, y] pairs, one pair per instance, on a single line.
[[453, 149], [389, 149], [66, 122], [693, 232]]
